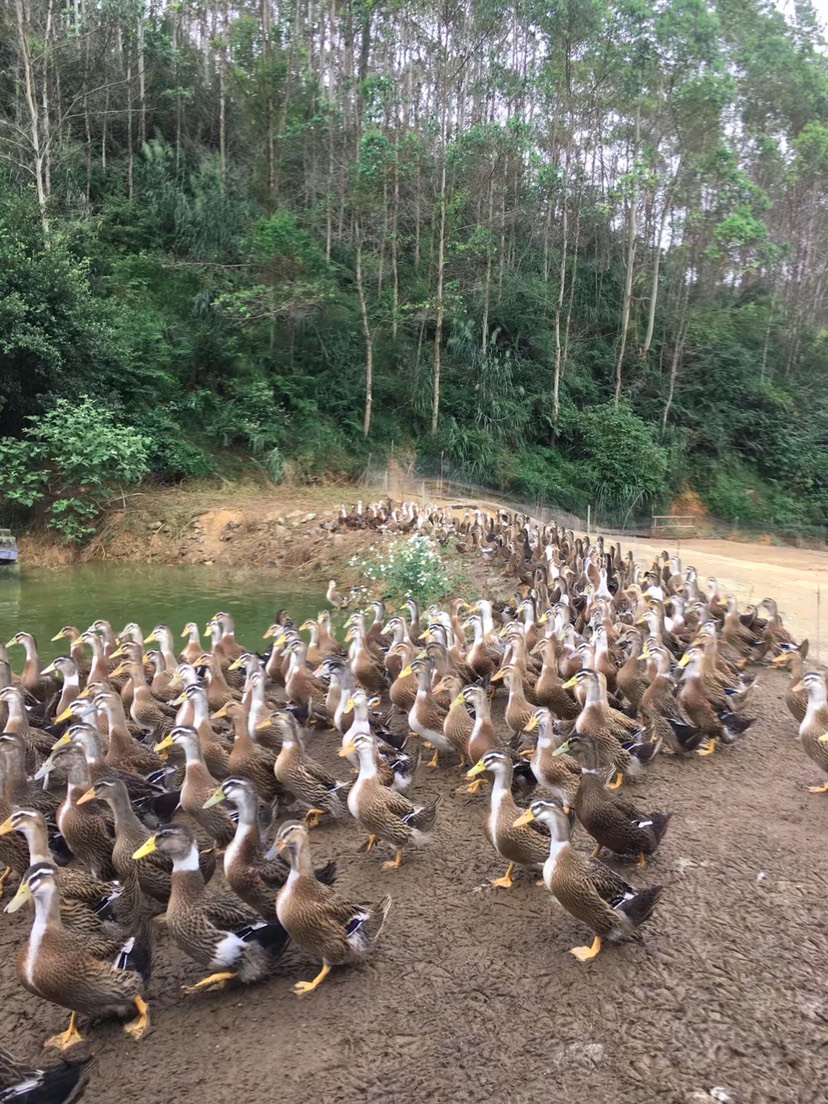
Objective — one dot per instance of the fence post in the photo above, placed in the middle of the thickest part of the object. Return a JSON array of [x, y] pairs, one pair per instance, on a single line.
[[818, 613], [589, 517]]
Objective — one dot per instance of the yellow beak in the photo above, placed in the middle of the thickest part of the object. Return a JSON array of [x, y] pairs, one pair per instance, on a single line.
[[220, 713], [180, 699], [146, 849], [185, 632], [458, 701], [162, 745], [478, 768], [570, 683], [6, 827], [90, 795], [150, 639], [263, 725], [268, 633], [65, 715], [684, 661], [525, 818], [349, 706], [214, 799], [532, 725], [64, 741], [235, 665], [117, 671], [58, 637], [304, 626], [348, 749], [406, 671], [497, 676], [11, 643], [20, 898]]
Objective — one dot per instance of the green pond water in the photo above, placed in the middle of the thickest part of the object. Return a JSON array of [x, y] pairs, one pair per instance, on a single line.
[[42, 600]]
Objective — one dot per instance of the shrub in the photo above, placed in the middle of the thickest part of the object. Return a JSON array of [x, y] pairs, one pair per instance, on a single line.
[[411, 568], [78, 455]]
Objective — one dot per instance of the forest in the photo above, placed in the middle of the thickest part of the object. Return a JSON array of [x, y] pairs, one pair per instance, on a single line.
[[577, 252]]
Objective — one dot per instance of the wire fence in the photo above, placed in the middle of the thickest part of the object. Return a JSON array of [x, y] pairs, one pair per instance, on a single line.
[[410, 481]]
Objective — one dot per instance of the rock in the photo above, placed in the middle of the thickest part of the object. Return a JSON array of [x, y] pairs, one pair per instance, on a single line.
[[308, 518]]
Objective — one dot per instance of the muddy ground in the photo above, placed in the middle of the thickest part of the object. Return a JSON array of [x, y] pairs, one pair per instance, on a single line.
[[471, 994]]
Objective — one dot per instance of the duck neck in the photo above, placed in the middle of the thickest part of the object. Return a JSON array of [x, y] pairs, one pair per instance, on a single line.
[[367, 762], [38, 841]]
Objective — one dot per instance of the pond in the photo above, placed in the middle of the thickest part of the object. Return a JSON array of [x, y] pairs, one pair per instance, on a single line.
[[42, 600]]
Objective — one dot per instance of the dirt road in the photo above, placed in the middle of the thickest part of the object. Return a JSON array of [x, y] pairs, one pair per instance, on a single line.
[[472, 995], [796, 577]]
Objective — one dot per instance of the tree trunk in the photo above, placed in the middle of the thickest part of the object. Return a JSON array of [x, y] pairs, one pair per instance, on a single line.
[[142, 86], [225, 31], [368, 337], [34, 118], [556, 380], [632, 226]]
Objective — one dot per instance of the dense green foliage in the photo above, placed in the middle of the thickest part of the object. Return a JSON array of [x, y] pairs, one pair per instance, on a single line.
[[578, 252]]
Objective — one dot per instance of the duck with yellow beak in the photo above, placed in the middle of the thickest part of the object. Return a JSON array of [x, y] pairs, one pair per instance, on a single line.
[[386, 815], [58, 967], [323, 923], [587, 888], [521, 845], [216, 930]]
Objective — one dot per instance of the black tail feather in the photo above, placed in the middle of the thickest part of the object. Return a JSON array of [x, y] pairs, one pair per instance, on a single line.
[[639, 909]]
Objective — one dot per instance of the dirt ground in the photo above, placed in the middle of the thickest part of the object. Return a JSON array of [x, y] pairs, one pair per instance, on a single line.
[[471, 994]]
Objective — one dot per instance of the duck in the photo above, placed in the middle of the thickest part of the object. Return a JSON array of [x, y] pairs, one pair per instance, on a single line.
[[77, 648], [525, 846], [60, 967], [82, 894], [813, 731], [560, 774], [60, 1084], [426, 716], [153, 876], [87, 831], [193, 648], [223, 935], [587, 888], [310, 783], [661, 711], [198, 786], [67, 668], [385, 814], [250, 759], [317, 918], [124, 753], [458, 724], [548, 691], [254, 879], [33, 679], [708, 709], [213, 749], [395, 766], [796, 695], [518, 708], [614, 823]]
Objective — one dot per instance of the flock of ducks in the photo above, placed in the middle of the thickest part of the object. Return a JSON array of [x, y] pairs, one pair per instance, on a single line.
[[128, 773]]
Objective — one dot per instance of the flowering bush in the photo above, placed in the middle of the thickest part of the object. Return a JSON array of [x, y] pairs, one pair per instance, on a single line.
[[411, 568]]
